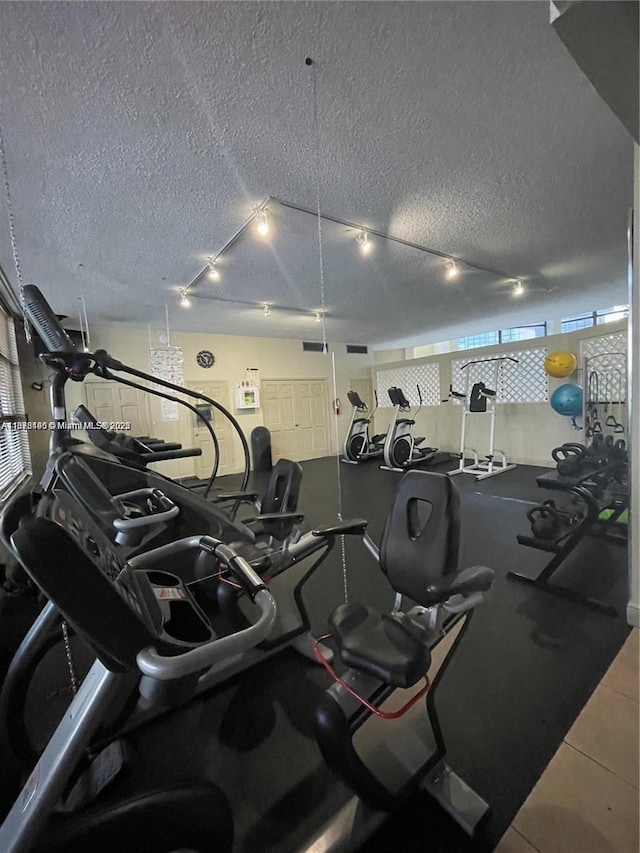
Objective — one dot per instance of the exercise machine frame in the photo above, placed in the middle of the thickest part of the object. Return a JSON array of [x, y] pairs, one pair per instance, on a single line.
[[480, 468]]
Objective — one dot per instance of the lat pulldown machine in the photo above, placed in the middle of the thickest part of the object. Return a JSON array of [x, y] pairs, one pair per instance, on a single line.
[[482, 400]]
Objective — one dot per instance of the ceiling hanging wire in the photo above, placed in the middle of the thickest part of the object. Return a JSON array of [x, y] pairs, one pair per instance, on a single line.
[[323, 311], [316, 140], [166, 316], [12, 226]]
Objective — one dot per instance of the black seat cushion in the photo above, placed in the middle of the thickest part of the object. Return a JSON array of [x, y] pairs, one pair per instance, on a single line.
[[391, 648]]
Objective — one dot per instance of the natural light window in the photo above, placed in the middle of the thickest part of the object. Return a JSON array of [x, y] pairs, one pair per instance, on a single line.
[[618, 312], [593, 318], [15, 461]]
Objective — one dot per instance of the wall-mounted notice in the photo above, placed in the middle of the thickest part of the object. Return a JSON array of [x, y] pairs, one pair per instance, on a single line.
[[166, 364]]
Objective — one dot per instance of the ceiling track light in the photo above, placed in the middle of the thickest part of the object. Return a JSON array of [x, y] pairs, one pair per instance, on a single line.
[[318, 316], [263, 223], [266, 310], [213, 273], [184, 298], [364, 242], [518, 288], [453, 270]]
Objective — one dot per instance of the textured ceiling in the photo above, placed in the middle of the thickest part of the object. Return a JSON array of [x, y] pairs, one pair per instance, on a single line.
[[139, 136]]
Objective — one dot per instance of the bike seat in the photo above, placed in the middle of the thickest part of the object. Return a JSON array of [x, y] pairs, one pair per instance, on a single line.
[[391, 648]]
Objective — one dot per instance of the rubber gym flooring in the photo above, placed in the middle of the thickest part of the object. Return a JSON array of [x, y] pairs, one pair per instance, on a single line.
[[523, 672]]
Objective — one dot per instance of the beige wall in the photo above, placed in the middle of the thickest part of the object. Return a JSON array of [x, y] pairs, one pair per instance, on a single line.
[[527, 432], [275, 358]]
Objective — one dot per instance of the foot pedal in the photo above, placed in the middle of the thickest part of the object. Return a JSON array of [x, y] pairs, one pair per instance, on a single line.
[[105, 767], [459, 800]]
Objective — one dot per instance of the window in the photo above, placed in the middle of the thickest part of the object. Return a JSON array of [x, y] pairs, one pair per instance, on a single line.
[[15, 462], [486, 339], [580, 321], [592, 318], [610, 315], [523, 333], [505, 336]]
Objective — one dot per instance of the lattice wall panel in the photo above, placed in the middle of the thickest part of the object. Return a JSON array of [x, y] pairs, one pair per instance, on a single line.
[[605, 360], [427, 376], [613, 343], [521, 382]]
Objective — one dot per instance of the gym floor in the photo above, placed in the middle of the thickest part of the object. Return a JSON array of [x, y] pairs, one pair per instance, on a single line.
[[529, 662], [516, 685]]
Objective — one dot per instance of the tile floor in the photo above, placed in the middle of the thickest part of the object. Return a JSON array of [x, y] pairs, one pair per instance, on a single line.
[[587, 799]]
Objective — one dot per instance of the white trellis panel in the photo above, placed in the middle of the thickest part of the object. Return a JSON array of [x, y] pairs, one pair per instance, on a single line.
[[427, 376], [605, 359], [521, 382]]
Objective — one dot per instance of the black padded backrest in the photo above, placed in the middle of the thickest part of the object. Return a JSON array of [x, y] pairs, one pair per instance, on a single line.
[[85, 596], [283, 489], [356, 400], [421, 538]]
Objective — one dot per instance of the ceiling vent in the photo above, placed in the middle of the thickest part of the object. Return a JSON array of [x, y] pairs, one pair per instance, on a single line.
[[358, 348]]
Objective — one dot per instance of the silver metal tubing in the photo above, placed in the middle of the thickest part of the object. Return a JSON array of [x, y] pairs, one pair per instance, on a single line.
[[49, 778], [123, 524], [177, 547], [154, 665], [371, 546]]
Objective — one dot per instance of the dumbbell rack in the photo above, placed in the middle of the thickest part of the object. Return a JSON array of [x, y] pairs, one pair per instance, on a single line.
[[592, 525]]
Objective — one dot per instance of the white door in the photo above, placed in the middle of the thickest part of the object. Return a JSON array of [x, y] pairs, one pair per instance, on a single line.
[[110, 402], [218, 391], [296, 413], [278, 403]]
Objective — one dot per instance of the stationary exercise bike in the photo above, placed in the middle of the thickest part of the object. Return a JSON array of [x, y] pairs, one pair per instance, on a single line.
[[389, 652], [401, 447], [358, 446]]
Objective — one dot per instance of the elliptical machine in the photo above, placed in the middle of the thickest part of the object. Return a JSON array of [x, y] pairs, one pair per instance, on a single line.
[[358, 446], [401, 447]]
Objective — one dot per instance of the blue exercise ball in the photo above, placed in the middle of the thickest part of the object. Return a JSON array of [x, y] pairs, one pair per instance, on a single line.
[[567, 400]]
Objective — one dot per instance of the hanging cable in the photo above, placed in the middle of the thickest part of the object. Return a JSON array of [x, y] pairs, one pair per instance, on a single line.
[[316, 139], [12, 227], [323, 307]]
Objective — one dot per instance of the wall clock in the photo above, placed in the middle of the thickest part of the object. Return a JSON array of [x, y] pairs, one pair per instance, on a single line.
[[206, 358]]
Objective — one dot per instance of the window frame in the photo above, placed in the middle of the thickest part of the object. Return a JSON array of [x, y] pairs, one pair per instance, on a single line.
[[15, 454]]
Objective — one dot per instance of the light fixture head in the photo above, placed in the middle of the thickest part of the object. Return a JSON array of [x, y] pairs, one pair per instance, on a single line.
[[266, 310], [453, 270], [318, 316], [263, 223], [184, 299], [518, 288], [213, 273], [364, 242]]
